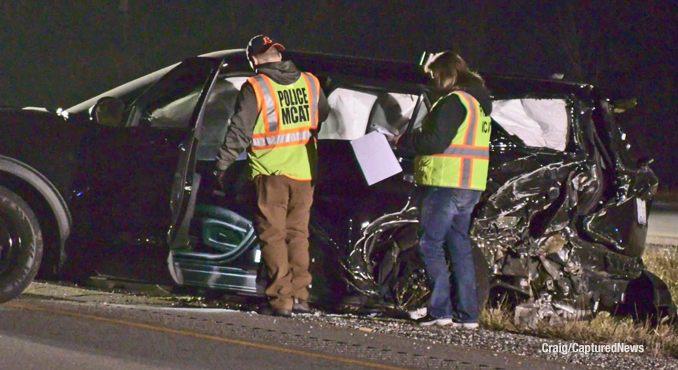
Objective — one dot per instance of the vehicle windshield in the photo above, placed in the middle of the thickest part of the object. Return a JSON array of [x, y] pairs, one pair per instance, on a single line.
[[127, 92], [133, 89]]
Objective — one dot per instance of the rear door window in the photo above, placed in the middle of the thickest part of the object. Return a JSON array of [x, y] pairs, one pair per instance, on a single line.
[[541, 123]]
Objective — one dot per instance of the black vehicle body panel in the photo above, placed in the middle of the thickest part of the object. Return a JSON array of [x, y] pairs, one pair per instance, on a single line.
[[552, 223], [45, 142], [102, 184]]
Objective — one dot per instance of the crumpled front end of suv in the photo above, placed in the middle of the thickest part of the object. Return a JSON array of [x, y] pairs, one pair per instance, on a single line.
[[562, 231], [565, 232]]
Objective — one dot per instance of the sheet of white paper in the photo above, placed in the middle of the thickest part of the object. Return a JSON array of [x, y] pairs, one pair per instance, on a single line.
[[382, 130], [375, 157], [641, 211]]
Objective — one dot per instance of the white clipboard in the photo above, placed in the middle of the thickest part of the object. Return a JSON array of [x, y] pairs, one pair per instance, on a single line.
[[376, 158]]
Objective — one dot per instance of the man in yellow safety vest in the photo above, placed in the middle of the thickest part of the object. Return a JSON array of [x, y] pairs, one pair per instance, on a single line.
[[277, 112], [451, 164]]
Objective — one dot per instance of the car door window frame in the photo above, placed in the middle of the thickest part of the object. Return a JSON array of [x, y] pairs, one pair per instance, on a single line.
[[572, 119], [205, 152], [143, 101]]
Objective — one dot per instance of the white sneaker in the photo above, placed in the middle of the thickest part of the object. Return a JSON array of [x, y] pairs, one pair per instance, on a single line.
[[444, 322], [429, 320], [465, 325], [418, 313]]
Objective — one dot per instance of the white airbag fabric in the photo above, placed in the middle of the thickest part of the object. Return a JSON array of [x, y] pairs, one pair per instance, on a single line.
[[537, 122]]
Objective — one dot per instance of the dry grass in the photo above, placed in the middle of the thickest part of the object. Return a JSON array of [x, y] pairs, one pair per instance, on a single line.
[[663, 262], [605, 329]]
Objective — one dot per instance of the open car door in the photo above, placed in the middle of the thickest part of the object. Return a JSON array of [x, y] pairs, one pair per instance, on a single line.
[[186, 182]]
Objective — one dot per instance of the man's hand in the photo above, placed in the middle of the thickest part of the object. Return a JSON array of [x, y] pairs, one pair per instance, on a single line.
[[391, 137], [220, 176]]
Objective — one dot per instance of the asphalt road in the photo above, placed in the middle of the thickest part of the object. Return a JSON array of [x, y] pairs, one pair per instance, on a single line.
[[53, 327], [662, 224]]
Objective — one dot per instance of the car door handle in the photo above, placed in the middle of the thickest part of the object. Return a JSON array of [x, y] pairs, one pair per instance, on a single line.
[[161, 141]]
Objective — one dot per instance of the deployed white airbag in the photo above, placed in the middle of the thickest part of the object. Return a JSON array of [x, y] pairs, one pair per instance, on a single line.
[[349, 113], [537, 122]]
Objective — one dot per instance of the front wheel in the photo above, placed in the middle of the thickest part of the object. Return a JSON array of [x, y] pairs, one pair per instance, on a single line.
[[482, 270], [20, 245], [400, 273]]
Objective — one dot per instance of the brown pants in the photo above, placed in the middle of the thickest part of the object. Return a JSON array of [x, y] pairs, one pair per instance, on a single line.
[[281, 219]]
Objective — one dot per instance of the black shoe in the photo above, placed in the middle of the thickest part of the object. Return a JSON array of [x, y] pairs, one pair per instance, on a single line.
[[301, 306], [429, 320], [282, 312], [270, 311]]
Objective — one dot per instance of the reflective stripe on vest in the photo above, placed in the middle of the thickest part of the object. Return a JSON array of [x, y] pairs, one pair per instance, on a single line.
[[282, 143], [459, 151], [268, 142], [313, 86], [464, 164], [264, 92]]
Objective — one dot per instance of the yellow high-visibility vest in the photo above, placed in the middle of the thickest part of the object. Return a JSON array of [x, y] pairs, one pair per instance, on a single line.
[[465, 163], [282, 143]]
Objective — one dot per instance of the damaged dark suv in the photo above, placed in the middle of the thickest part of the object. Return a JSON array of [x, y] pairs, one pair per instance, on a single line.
[[561, 226]]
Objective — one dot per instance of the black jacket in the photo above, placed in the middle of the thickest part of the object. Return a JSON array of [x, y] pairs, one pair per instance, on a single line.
[[440, 126]]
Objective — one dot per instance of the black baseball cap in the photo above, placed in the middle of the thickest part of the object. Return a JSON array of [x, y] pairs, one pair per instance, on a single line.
[[260, 44]]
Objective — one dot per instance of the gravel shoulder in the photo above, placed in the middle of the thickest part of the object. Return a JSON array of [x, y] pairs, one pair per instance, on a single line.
[[499, 341]]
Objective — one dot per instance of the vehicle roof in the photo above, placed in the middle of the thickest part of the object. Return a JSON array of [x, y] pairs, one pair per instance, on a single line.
[[368, 68], [406, 72]]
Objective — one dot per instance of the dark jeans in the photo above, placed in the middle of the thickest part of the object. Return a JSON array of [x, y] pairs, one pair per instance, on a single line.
[[443, 228]]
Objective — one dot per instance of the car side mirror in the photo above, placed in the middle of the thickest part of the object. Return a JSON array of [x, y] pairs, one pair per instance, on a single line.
[[644, 162], [109, 111], [621, 106]]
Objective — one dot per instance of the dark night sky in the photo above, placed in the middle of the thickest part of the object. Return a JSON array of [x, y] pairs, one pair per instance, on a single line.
[[58, 53]]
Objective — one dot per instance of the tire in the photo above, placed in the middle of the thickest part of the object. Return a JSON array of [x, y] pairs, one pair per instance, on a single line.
[[482, 277], [20, 245], [482, 271], [648, 300], [402, 282]]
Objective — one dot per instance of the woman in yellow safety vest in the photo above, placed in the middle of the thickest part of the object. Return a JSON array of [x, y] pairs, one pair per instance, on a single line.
[[451, 167]]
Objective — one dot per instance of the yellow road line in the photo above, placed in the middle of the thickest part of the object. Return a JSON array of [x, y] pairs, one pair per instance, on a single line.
[[205, 336]]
